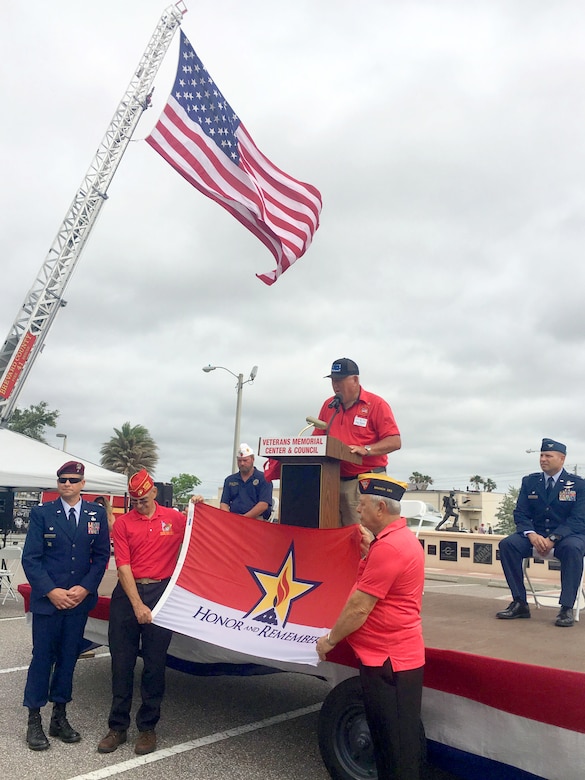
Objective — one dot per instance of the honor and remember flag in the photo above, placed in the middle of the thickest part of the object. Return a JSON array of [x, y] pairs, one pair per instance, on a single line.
[[201, 136], [266, 590]]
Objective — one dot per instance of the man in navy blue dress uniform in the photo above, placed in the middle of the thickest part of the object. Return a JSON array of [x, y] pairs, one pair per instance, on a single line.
[[66, 552], [549, 515], [247, 492]]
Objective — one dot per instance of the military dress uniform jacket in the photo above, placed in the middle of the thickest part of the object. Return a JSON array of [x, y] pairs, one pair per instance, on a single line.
[[57, 556], [563, 514]]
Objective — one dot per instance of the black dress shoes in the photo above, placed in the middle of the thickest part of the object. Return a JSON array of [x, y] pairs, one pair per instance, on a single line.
[[60, 726], [565, 618], [517, 609], [36, 738]]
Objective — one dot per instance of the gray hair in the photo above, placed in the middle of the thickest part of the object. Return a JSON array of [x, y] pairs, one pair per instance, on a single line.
[[391, 504]]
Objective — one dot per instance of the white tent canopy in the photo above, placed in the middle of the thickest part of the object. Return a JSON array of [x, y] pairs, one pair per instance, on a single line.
[[29, 464]]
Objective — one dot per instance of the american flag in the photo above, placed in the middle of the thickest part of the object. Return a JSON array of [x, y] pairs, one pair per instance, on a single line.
[[202, 137]]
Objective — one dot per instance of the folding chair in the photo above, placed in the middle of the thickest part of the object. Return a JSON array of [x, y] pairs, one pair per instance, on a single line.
[[274, 513], [413, 508], [580, 601], [9, 563]]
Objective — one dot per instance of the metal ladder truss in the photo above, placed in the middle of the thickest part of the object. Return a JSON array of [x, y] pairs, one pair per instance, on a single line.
[[26, 337]]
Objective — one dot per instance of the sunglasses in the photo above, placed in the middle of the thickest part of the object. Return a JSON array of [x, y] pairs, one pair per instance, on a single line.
[[72, 480]]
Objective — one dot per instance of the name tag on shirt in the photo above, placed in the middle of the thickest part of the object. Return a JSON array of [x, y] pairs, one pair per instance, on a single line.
[[360, 421]]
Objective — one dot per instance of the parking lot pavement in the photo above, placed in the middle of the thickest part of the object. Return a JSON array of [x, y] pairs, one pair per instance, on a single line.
[[212, 728]]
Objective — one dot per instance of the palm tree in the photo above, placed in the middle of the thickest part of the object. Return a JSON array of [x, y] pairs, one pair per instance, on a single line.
[[131, 449], [420, 481], [489, 485], [477, 481]]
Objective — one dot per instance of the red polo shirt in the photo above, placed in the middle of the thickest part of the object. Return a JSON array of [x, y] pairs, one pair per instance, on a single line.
[[393, 572], [149, 545], [367, 421]]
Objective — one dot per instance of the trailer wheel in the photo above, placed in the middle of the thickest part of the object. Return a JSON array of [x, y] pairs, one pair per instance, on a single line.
[[344, 737]]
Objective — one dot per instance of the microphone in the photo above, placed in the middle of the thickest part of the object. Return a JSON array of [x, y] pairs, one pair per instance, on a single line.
[[321, 424], [313, 421], [334, 403]]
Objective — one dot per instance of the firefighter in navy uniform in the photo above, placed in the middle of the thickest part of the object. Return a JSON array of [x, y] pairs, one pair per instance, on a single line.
[[66, 552], [549, 513], [247, 492]]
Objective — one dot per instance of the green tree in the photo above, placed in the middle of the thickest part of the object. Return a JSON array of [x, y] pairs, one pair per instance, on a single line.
[[489, 485], [183, 487], [420, 481], [32, 421], [505, 513], [131, 448], [477, 481]]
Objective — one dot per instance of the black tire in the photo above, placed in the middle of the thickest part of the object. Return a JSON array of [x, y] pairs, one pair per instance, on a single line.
[[344, 737]]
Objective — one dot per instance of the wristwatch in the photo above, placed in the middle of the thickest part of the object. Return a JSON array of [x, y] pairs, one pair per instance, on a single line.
[[555, 537], [368, 449]]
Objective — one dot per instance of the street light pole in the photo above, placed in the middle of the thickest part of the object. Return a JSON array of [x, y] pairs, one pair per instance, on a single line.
[[239, 387], [64, 437]]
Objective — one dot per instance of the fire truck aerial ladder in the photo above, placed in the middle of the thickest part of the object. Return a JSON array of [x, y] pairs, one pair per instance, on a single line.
[[26, 338]]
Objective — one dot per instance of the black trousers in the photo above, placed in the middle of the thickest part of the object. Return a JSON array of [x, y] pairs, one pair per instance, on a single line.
[[127, 637], [392, 701]]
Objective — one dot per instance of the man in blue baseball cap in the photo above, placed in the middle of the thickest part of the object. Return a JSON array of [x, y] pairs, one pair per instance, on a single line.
[[365, 423], [549, 515]]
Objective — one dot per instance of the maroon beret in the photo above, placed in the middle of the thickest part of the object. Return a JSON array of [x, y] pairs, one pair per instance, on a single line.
[[72, 467]]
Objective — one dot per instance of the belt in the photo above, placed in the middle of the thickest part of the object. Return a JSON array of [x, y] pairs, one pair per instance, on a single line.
[[146, 581], [376, 470]]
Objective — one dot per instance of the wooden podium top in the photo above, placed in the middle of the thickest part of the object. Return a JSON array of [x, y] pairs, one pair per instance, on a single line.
[[306, 447]]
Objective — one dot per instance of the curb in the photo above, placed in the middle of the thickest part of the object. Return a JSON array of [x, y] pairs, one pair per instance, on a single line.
[[470, 579]]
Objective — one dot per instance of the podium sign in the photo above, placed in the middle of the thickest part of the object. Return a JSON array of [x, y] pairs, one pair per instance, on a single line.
[[299, 446], [309, 477]]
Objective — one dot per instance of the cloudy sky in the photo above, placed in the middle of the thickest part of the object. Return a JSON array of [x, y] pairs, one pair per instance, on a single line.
[[447, 140]]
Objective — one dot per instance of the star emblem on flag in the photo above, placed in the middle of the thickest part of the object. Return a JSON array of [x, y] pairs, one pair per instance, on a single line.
[[279, 590]]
